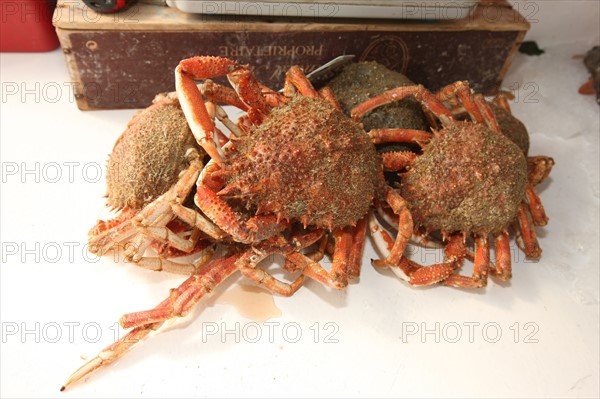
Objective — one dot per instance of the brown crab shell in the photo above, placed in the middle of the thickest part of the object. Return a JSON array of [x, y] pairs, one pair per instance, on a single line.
[[148, 156], [469, 179], [307, 162], [362, 81], [511, 127]]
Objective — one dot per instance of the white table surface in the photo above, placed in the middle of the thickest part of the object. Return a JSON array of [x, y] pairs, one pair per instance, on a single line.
[[535, 336]]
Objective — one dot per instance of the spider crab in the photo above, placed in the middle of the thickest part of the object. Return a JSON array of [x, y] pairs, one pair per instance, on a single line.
[[470, 181], [531, 211], [154, 161], [294, 170]]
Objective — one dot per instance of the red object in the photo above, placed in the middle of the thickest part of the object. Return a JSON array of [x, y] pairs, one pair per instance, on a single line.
[[26, 26], [107, 6]]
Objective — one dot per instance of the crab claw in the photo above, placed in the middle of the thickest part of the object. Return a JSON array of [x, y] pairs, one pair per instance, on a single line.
[[192, 102]]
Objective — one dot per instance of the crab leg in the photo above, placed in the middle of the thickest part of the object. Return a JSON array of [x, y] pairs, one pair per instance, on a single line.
[[135, 249], [273, 98], [224, 119], [359, 236], [183, 298], [326, 93], [164, 250], [480, 269], [220, 138], [251, 93], [180, 301], [488, 115], [194, 218], [221, 94], [501, 100], [418, 238], [106, 235], [503, 268], [301, 241], [538, 169], [535, 206], [420, 93], [461, 90], [192, 102], [454, 253], [525, 235], [383, 241], [157, 263], [405, 229], [426, 241], [337, 277], [111, 353], [394, 161], [379, 136], [255, 229], [249, 269], [386, 215], [170, 204], [295, 78]]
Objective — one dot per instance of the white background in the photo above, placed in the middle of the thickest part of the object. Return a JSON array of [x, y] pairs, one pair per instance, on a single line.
[[536, 336]]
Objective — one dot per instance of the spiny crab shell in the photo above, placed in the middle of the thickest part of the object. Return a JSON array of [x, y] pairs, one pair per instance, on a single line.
[[361, 81], [307, 162], [469, 179], [149, 155], [511, 127]]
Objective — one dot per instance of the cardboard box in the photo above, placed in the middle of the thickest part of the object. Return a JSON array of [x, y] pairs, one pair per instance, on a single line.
[[122, 60]]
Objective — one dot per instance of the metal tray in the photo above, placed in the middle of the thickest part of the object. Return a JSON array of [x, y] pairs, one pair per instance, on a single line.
[[389, 9]]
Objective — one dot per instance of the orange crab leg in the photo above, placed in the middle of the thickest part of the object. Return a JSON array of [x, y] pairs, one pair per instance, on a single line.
[[480, 269], [461, 90], [301, 241], [454, 253], [105, 235], [394, 161], [248, 265], [359, 236], [501, 100], [503, 269], [379, 136], [273, 98], [420, 93], [255, 229], [535, 206], [183, 298], [111, 353], [429, 275], [337, 277], [405, 229], [191, 99], [488, 115], [326, 93], [200, 283], [296, 78], [525, 233], [222, 94], [251, 93], [538, 169]]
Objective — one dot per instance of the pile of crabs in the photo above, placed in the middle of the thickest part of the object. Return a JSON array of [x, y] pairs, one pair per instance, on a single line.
[[307, 173]]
